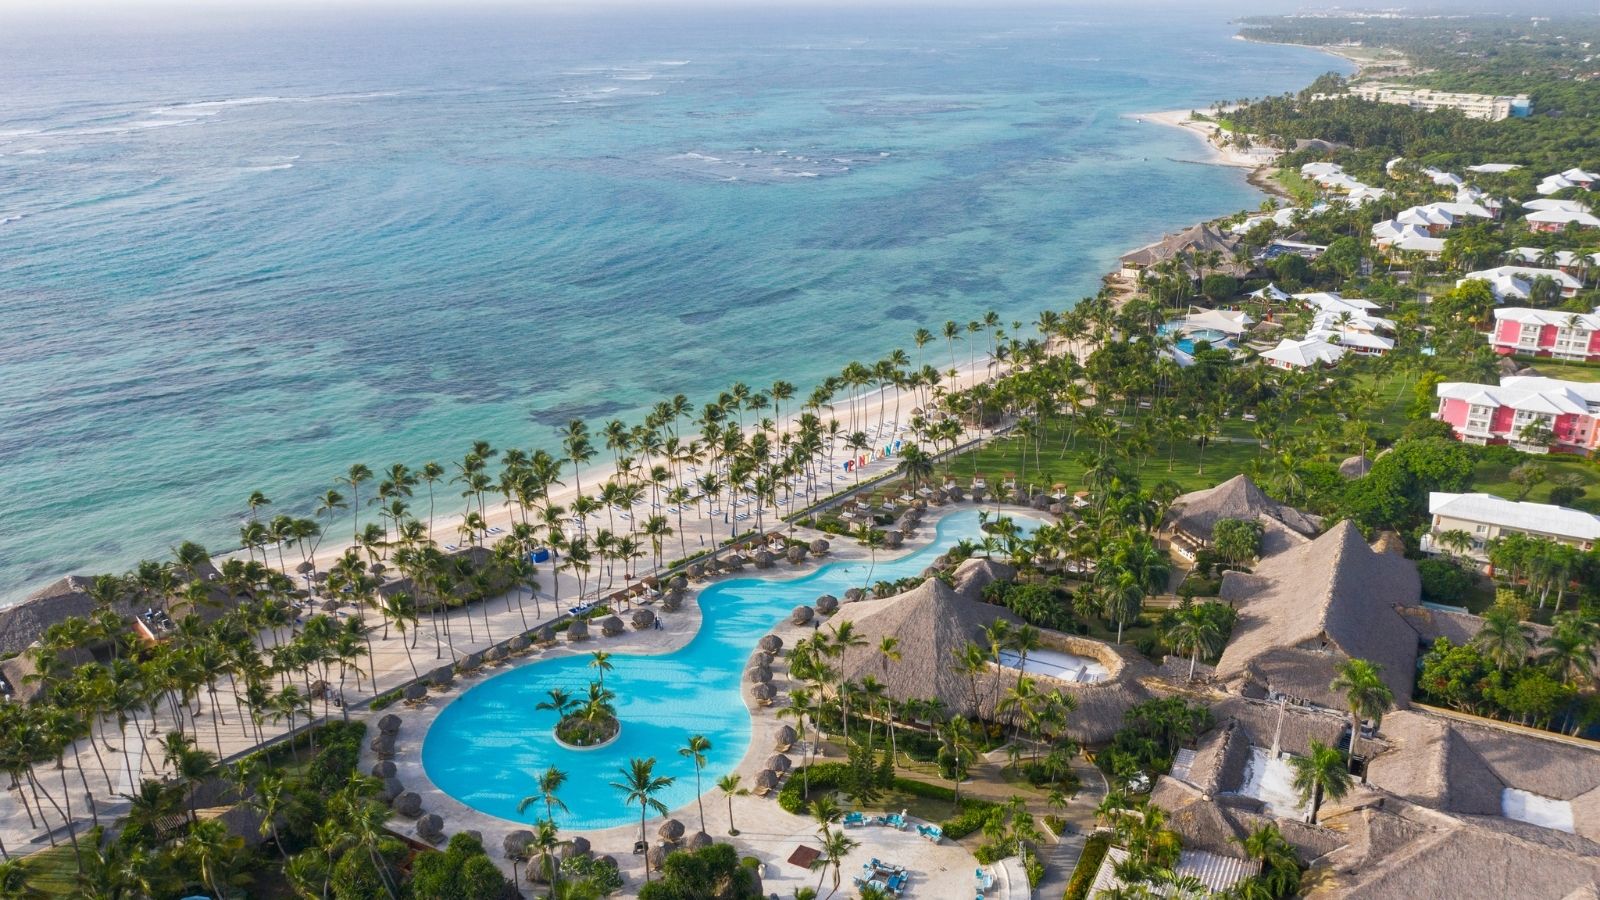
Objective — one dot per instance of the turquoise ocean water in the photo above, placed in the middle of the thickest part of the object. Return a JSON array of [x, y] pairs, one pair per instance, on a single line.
[[242, 254]]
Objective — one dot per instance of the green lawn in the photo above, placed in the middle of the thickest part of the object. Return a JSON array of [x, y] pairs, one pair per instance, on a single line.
[[52, 872], [1494, 478], [1192, 469], [1564, 371]]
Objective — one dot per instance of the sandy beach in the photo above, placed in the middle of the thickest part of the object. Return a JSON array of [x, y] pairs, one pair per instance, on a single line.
[[1220, 154]]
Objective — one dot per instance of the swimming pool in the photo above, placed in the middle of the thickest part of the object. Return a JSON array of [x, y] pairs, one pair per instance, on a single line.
[[487, 747], [1187, 337]]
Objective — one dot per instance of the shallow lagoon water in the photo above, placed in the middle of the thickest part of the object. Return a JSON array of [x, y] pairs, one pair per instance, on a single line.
[[245, 254]]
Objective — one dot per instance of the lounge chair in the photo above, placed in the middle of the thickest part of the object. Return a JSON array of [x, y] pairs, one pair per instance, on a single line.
[[854, 820]]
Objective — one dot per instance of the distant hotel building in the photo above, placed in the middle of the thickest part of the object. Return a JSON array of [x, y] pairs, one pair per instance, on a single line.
[[1475, 106], [1546, 332]]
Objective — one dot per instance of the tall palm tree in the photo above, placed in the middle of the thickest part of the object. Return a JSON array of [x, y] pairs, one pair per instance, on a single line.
[[550, 781], [1366, 693], [354, 478], [639, 786], [729, 785], [1503, 639], [695, 750], [600, 661], [1320, 773]]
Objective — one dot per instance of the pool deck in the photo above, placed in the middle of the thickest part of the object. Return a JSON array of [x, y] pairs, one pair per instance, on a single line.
[[945, 870]]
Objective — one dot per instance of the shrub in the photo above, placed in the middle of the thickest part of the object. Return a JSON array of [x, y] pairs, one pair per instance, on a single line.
[[1443, 581], [335, 762], [820, 776], [385, 699], [1094, 853]]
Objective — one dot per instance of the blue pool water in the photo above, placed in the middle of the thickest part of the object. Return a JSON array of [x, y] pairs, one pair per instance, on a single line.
[[1218, 340], [487, 747]]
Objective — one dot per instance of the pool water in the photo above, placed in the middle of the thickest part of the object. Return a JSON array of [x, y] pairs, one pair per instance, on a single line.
[[1219, 340], [1057, 664], [487, 748]]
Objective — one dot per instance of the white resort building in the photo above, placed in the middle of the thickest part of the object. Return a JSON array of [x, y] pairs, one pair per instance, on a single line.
[[1484, 517]]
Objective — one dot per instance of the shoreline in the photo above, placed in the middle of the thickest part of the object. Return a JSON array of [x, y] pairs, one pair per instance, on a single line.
[[981, 369]]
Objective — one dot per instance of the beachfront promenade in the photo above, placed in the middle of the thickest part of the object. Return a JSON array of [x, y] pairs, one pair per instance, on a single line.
[[225, 728]]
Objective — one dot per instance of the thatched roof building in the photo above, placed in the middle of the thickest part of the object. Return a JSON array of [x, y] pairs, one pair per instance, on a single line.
[[18, 673], [1305, 611], [932, 622], [24, 623], [1466, 768], [1194, 515], [1186, 246]]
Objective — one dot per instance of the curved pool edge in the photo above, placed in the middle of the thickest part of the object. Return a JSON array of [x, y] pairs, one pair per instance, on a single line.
[[460, 816]]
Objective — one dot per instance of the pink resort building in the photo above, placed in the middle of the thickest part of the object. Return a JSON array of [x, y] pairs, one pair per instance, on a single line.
[[1503, 413], [1546, 332]]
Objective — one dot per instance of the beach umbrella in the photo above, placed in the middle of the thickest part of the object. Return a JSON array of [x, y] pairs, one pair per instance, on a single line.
[[331, 605], [766, 781], [408, 804], [771, 643], [384, 769], [305, 567], [763, 693], [672, 601], [578, 846], [516, 843], [383, 745], [763, 559], [697, 571], [819, 547], [578, 631], [643, 619], [545, 634], [389, 724], [494, 654], [893, 537], [779, 763], [519, 643], [430, 828], [678, 583], [783, 738], [698, 841], [802, 615], [442, 676], [759, 674], [470, 662], [320, 578], [854, 595], [391, 789], [827, 605], [611, 626], [415, 691], [671, 830], [796, 554], [657, 856]]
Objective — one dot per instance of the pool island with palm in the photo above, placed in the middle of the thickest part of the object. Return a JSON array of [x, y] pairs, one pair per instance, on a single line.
[[487, 748]]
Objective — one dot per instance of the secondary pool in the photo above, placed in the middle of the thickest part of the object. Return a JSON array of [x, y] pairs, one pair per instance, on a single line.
[[1057, 664], [487, 747]]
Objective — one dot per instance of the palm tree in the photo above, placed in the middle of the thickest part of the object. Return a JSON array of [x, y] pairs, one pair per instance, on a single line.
[[1197, 633], [695, 750], [1320, 773], [600, 661], [1365, 692], [640, 785], [354, 478], [729, 785], [560, 702], [1503, 639], [836, 845], [549, 783]]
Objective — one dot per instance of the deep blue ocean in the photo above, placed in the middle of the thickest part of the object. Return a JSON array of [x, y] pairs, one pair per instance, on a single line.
[[242, 254]]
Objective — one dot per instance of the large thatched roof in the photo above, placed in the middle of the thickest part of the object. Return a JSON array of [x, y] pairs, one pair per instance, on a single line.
[[1195, 514], [24, 623], [1308, 609], [19, 672], [1463, 768], [932, 622], [1184, 246]]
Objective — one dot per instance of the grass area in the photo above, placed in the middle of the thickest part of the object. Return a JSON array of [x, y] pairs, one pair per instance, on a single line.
[[1562, 370], [1495, 478], [1303, 192], [52, 872], [1192, 469]]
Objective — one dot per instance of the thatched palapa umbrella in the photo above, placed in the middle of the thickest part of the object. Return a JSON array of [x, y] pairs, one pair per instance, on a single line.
[[389, 724], [578, 631], [670, 831], [415, 691], [643, 619], [766, 782], [780, 763], [819, 547], [771, 643], [758, 675], [698, 841], [611, 626], [783, 738], [802, 615], [763, 694], [827, 604]]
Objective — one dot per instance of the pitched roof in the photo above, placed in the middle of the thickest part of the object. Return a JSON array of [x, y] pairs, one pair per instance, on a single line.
[[933, 621], [23, 623], [1307, 351], [1198, 512], [1519, 515], [1306, 610], [1185, 244]]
